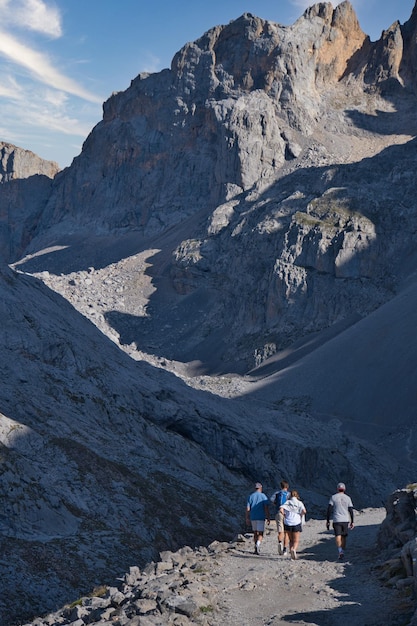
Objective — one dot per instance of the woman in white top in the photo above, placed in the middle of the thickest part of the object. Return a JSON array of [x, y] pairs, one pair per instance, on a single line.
[[293, 511]]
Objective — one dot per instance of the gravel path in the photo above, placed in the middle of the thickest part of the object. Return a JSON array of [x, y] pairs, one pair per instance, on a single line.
[[316, 589]]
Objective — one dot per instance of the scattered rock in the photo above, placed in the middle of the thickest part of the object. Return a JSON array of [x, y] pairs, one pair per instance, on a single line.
[[219, 585]]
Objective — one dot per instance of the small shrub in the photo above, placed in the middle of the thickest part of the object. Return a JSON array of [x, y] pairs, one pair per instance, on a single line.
[[99, 592]]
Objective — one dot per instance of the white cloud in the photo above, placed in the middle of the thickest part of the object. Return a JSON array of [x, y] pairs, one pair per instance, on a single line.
[[302, 4], [41, 68], [305, 4], [6, 92], [56, 98], [151, 64], [42, 109], [33, 115], [45, 19], [39, 103], [58, 122], [32, 15], [9, 88]]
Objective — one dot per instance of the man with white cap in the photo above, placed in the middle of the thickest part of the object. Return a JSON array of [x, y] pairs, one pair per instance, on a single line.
[[340, 509]]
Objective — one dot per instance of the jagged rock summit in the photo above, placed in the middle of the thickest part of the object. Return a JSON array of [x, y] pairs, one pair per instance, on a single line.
[[237, 233], [294, 141], [16, 163], [25, 186], [265, 85]]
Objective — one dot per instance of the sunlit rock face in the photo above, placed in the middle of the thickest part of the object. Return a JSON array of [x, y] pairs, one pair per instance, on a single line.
[[250, 210], [269, 155], [17, 163]]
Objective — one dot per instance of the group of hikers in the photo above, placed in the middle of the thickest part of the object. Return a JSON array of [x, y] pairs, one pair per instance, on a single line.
[[290, 517]]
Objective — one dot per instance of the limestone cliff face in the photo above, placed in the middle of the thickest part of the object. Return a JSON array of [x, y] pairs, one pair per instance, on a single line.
[[25, 186], [16, 163], [262, 150], [408, 67], [341, 38], [258, 195], [214, 125]]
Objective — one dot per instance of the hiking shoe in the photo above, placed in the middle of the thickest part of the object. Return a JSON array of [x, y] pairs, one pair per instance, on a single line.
[[280, 549], [341, 556], [285, 552], [293, 554]]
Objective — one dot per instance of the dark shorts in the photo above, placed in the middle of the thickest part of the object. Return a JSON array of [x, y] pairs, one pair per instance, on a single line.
[[340, 528], [293, 529]]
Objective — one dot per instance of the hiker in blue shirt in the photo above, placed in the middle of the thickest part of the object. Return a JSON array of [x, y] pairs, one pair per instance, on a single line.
[[257, 509], [279, 498]]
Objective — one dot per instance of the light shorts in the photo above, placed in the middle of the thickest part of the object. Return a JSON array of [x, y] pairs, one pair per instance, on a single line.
[[279, 518], [258, 525]]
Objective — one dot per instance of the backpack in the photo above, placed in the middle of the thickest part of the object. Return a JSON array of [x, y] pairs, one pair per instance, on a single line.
[[280, 498]]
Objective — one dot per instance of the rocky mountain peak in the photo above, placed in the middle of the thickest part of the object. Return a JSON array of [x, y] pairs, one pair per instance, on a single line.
[[251, 53], [220, 289], [341, 39], [235, 107], [17, 163]]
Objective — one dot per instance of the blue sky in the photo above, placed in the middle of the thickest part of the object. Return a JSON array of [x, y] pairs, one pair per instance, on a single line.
[[61, 59]]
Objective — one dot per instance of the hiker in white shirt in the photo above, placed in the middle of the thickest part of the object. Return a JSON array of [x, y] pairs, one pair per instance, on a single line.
[[293, 511], [340, 509]]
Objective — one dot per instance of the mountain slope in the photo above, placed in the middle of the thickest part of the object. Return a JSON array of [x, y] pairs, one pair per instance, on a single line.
[[365, 378], [257, 197], [106, 460], [88, 480], [264, 173]]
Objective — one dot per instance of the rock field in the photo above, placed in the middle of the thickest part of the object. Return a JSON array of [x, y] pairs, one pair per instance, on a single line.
[[226, 583]]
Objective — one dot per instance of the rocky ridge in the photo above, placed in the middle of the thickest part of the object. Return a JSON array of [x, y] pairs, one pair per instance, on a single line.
[[25, 186], [17, 164], [303, 150], [221, 219]]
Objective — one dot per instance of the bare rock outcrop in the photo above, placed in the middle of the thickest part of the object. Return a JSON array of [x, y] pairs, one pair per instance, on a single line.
[[400, 524], [25, 186], [213, 126], [397, 538], [259, 137], [17, 163], [258, 195]]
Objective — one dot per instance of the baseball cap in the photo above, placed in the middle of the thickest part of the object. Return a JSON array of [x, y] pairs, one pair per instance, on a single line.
[[341, 486], [258, 485]]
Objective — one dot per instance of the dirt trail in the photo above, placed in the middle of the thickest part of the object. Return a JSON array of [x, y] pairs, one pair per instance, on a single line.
[[268, 589]]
